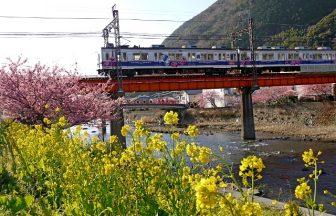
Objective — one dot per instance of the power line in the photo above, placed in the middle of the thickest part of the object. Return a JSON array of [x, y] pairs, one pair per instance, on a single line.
[[132, 19]]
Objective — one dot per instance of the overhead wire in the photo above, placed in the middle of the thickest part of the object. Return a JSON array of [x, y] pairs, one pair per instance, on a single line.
[[128, 19]]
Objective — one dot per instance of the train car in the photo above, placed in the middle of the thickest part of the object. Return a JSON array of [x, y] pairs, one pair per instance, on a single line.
[[192, 60]]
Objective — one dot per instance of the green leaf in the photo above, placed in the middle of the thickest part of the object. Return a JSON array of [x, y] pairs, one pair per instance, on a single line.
[[40, 164], [3, 200], [31, 168], [29, 200]]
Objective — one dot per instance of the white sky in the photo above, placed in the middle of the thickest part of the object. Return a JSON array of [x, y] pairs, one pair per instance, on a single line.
[[67, 51]]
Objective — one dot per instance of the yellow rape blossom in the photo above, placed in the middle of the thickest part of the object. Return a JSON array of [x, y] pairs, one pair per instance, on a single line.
[[192, 131], [156, 143], [309, 158], [251, 209], [206, 193], [47, 121], [303, 191], [175, 136], [171, 118], [198, 154], [251, 167], [125, 130], [292, 209], [113, 139]]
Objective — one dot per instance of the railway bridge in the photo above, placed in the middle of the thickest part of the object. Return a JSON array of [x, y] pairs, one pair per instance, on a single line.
[[246, 83]]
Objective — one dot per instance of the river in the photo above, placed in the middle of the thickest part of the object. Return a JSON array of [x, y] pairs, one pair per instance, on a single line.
[[282, 158]]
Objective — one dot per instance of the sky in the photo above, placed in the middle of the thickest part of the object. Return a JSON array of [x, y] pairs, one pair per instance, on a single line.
[[81, 52]]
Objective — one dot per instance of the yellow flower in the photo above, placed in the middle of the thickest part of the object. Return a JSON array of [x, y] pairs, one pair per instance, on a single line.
[[204, 155], [251, 209], [192, 131], [139, 124], [198, 154], [125, 130], [47, 121], [292, 209], [156, 142], [62, 121], [175, 136], [302, 191], [206, 193], [251, 167], [101, 146], [179, 148], [113, 139], [309, 158], [108, 168], [171, 118]]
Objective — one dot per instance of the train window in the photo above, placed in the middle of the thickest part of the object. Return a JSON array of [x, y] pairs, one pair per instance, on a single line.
[[293, 56], [267, 57], [171, 56], [178, 56], [317, 56], [124, 56], [161, 56], [191, 56], [144, 56], [281, 56], [198, 56], [243, 56], [107, 56], [158, 56], [232, 57], [219, 56], [136, 56], [203, 57], [210, 57]]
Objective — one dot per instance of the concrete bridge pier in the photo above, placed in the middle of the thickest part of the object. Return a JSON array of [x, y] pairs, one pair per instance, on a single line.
[[116, 124], [248, 130]]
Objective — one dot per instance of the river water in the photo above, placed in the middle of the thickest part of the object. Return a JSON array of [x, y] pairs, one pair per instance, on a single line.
[[282, 158]]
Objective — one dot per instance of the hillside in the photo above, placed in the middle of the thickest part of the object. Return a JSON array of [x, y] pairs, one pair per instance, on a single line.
[[215, 25], [322, 33]]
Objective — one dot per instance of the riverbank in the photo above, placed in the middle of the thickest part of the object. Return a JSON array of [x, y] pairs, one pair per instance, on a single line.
[[300, 120]]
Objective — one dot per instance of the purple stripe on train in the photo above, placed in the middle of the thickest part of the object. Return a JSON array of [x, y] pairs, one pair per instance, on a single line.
[[184, 63]]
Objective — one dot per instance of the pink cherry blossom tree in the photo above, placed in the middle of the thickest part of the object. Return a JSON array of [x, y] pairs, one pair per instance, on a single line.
[[209, 97], [314, 90], [265, 95], [29, 94]]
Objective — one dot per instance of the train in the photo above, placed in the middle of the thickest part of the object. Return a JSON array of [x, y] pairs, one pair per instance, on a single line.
[[159, 60]]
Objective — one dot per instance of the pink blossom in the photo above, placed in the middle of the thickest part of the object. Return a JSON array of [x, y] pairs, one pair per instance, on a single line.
[[268, 94], [314, 90], [31, 93]]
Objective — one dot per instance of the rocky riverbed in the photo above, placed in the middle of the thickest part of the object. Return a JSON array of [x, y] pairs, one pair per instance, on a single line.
[[301, 120]]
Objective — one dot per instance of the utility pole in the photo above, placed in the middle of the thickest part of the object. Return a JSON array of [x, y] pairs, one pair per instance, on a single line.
[[114, 24], [251, 39], [117, 123]]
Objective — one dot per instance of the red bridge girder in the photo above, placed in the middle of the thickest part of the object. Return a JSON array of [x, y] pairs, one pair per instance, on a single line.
[[179, 83]]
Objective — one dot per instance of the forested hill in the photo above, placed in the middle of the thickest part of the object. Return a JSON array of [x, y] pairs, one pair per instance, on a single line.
[[273, 20]]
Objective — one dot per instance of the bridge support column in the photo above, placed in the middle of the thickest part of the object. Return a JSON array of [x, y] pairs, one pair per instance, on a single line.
[[116, 124], [247, 119]]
